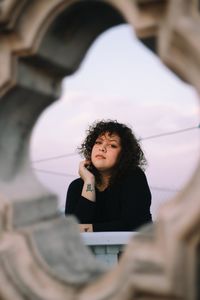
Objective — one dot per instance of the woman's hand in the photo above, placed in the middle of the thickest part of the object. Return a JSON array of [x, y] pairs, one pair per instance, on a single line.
[[84, 173], [88, 190], [86, 228]]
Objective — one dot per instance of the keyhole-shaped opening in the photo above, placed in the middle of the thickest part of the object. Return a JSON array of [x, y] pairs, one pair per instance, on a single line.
[[121, 79]]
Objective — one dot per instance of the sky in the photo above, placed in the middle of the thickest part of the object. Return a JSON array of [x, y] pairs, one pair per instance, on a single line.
[[121, 79]]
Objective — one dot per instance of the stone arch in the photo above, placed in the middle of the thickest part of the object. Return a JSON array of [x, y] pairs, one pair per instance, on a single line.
[[31, 79], [38, 247], [32, 73]]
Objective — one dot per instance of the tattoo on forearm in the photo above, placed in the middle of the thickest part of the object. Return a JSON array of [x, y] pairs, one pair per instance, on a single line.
[[89, 188]]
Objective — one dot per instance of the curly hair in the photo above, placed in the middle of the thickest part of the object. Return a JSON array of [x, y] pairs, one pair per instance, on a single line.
[[131, 155]]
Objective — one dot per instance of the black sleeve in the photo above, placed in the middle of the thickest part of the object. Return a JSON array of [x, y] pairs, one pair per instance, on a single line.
[[77, 205], [135, 205]]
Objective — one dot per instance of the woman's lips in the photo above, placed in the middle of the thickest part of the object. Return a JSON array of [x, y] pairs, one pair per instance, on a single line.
[[100, 156]]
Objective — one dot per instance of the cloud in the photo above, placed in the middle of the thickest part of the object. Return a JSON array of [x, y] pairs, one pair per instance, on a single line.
[[120, 79]]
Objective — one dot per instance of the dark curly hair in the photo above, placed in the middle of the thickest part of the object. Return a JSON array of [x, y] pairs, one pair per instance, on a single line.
[[131, 156]]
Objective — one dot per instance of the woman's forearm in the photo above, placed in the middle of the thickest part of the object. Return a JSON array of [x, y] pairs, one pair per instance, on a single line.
[[88, 190]]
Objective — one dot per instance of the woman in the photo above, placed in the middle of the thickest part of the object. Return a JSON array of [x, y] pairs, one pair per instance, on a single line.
[[112, 193]]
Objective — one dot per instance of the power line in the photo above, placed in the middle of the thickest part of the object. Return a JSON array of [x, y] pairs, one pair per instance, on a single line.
[[170, 133], [142, 139], [54, 157], [71, 175], [54, 173], [163, 189], [74, 154]]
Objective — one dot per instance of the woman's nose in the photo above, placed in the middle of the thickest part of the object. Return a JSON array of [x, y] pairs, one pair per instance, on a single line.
[[103, 148]]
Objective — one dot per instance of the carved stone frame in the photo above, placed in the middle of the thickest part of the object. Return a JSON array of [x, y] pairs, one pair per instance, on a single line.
[[41, 253]]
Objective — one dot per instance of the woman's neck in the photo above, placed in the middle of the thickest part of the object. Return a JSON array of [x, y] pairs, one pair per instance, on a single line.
[[105, 178]]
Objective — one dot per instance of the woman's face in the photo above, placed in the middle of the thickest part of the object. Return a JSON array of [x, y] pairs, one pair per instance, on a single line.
[[106, 152]]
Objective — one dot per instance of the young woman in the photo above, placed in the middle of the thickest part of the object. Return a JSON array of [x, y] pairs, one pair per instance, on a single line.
[[112, 193]]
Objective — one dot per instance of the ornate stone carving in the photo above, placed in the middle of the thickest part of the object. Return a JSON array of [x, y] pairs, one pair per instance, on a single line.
[[41, 253]]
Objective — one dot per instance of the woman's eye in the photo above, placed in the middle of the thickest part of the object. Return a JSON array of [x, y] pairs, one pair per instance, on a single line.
[[113, 146], [98, 142]]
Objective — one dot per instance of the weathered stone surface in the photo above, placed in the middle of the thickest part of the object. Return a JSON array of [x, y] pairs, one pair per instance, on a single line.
[[41, 253]]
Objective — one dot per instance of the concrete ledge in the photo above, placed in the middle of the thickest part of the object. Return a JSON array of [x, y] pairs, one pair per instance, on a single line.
[[107, 246], [107, 238]]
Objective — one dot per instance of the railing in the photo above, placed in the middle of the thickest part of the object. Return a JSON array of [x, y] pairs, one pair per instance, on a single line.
[[107, 246]]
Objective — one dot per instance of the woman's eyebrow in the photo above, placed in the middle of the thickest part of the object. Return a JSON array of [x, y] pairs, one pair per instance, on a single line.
[[113, 140], [108, 139], [99, 138]]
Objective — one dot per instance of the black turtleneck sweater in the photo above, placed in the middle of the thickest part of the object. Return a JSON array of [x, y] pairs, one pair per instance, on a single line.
[[124, 206]]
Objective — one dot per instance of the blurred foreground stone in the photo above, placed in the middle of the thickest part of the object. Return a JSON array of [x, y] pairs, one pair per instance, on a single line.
[[41, 253]]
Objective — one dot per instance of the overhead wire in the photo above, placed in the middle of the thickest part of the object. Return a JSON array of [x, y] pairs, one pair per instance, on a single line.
[[54, 157], [164, 189], [74, 154], [141, 139], [169, 133], [73, 175], [54, 173]]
